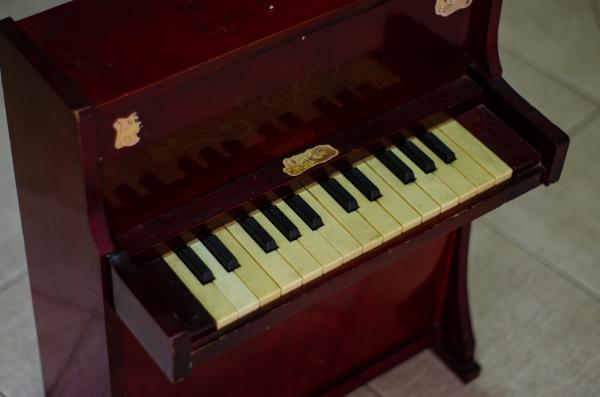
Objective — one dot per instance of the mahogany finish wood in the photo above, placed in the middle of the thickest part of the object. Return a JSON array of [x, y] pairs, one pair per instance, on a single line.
[[252, 84], [67, 281], [139, 43], [456, 342]]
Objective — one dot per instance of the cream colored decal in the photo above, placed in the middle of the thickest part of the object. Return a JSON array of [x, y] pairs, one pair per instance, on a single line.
[[127, 129], [299, 163], [448, 7]]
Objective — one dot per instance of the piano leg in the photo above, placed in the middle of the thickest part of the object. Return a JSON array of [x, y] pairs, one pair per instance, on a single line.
[[456, 343]]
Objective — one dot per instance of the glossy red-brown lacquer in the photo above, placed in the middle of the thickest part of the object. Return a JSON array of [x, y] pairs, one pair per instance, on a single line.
[[312, 79], [224, 91]]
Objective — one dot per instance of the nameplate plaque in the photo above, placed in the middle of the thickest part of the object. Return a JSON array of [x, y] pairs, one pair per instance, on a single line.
[[300, 163]]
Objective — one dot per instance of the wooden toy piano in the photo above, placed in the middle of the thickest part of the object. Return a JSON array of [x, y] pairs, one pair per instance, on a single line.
[[258, 198]]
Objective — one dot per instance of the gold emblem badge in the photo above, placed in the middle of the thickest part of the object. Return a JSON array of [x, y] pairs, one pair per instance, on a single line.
[[448, 7], [299, 163], [127, 130]]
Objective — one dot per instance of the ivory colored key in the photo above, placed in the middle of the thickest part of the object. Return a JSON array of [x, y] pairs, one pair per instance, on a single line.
[[327, 256], [373, 213], [391, 201], [209, 296], [482, 179], [431, 184], [332, 230], [292, 251], [412, 193], [477, 150], [362, 231], [448, 174], [250, 272], [272, 263], [227, 282]]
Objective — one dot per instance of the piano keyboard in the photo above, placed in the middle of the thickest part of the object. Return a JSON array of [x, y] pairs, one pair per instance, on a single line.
[[273, 251]]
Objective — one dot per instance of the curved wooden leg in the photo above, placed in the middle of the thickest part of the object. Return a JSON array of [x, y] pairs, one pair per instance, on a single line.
[[456, 343]]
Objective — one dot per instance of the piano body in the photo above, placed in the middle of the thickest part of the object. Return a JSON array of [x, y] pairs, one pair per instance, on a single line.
[[258, 198]]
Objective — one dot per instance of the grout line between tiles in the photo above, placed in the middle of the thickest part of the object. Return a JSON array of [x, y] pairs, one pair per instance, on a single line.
[[584, 122], [552, 76], [373, 390], [13, 278], [596, 10], [547, 263]]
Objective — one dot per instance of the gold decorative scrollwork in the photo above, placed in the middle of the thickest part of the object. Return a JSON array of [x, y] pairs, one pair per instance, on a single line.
[[448, 7], [298, 164], [127, 130]]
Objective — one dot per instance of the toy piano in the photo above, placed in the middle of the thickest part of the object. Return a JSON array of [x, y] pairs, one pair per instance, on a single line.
[[259, 198]]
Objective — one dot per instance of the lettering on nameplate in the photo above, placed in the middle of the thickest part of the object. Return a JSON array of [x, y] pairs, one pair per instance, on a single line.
[[449, 7], [127, 130], [304, 161]]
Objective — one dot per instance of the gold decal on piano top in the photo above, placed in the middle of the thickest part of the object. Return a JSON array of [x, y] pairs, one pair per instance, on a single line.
[[127, 129], [448, 7], [299, 163]]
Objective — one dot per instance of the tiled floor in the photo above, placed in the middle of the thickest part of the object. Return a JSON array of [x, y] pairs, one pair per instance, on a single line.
[[536, 307]]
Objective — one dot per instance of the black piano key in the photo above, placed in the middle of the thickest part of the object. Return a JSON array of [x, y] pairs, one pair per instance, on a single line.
[[438, 147], [281, 222], [396, 166], [417, 156], [260, 235], [340, 195], [195, 264], [220, 252], [304, 211], [362, 183], [170, 289]]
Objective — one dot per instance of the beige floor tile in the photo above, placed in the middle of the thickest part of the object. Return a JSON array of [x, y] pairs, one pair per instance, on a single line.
[[562, 106], [362, 392], [557, 36], [561, 224], [18, 9], [537, 334], [423, 375], [12, 262], [20, 374]]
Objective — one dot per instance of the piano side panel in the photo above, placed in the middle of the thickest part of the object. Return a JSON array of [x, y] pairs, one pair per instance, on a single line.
[[62, 257], [316, 348]]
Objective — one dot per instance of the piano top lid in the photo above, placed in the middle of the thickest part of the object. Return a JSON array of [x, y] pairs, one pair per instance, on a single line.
[[114, 48]]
